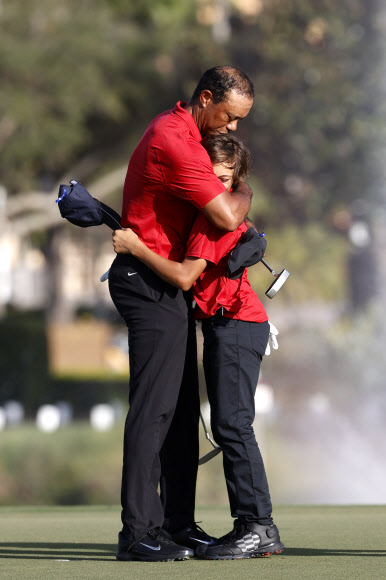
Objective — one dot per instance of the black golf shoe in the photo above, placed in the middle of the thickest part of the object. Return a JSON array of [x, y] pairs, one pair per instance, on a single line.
[[246, 540], [153, 547], [192, 536]]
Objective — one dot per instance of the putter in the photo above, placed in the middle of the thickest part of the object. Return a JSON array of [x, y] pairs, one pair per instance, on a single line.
[[216, 449], [278, 283]]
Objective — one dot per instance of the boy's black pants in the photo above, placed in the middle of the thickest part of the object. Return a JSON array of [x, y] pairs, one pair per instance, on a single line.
[[233, 350], [161, 429]]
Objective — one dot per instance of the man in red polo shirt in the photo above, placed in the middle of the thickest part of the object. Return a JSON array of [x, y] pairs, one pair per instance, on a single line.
[[169, 178]]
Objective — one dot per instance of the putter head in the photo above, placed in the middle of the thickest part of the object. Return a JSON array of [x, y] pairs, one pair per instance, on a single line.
[[209, 456], [277, 284]]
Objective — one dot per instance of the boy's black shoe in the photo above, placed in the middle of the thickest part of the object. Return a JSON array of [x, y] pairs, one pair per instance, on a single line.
[[191, 536], [246, 540], [153, 547]]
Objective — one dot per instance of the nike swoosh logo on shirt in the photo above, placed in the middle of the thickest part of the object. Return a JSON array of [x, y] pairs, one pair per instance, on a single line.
[[151, 547], [197, 540], [131, 273]]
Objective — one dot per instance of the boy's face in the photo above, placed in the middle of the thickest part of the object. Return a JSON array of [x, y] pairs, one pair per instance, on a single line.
[[224, 173]]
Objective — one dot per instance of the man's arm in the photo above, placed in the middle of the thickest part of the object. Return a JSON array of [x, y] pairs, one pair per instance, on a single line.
[[183, 275], [229, 209]]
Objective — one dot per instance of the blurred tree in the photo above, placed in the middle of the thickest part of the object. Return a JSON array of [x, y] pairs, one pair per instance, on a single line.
[[55, 74], [80, 80], [314, 64], [23, 359]]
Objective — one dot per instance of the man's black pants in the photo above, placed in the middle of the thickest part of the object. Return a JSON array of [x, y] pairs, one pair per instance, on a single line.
[[233, 350], [161, 429]]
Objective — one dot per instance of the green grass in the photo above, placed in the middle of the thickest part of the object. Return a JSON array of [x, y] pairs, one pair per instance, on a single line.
[[77, 543]]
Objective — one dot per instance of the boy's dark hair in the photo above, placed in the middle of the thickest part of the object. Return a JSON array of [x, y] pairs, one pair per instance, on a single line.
[[229, 151], [219, 80]]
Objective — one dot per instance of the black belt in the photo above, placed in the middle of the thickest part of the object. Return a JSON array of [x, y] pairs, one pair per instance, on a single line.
[[219, 313]]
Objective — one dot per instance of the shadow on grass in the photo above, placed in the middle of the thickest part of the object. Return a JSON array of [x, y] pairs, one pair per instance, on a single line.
[[106, 552], [57, 551]]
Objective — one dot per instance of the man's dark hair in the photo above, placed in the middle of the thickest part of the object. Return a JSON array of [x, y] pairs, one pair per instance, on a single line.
[[219, 80], [229, 151]]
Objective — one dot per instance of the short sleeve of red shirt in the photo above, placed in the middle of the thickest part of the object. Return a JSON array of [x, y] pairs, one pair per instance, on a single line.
[[208, 242]]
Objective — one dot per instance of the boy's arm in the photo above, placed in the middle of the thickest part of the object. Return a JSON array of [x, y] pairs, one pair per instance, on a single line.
[[182, 275]]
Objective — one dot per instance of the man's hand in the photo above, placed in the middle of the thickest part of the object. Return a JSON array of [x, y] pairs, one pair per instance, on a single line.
[[228, 210], [243, 188], [273, 332], [125, 241], [249, 224]]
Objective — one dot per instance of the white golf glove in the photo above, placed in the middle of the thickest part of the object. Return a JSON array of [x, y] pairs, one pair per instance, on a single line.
[[273, 332]]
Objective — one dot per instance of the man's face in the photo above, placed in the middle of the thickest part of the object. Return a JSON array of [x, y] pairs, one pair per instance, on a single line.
[[223, 117]]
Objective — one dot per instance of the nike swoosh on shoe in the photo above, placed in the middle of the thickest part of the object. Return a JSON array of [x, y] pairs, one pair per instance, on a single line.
[[197, 540], [151, 547]]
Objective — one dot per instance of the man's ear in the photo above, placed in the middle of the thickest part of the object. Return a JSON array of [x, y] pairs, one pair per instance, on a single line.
[[206, 98]]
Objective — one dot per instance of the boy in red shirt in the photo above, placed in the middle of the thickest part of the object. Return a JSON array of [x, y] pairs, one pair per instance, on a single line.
[[236, 330]]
